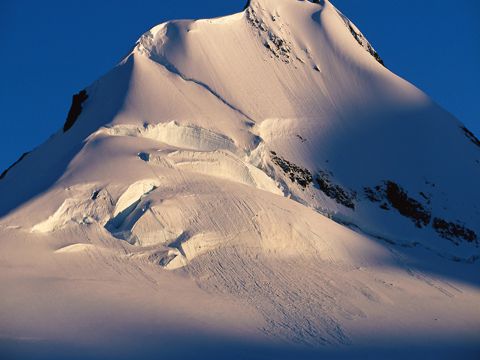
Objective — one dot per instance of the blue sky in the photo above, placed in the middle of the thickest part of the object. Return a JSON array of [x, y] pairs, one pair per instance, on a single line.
[[52, 49]]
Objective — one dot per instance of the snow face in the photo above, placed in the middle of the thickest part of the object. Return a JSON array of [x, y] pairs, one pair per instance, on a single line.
[[264, 166]]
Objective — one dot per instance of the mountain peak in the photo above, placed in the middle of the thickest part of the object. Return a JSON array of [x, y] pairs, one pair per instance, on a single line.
[[271, 4], [282, 26], [247, 82], [275, 3], [272, 158]]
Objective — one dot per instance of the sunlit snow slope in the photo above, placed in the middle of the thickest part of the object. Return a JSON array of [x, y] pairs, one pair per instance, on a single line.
[[262, 176]]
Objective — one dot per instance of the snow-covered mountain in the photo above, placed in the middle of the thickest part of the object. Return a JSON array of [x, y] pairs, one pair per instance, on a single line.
[[260, 177]]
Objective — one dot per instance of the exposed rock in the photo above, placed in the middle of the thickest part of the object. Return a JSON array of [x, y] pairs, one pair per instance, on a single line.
[[95, 194], [302, 139], [4, 173], [453, 231], [279, 47], [340, 195], [298, 175], [385, 206], [360, 38], [426, 197], [471, 136], [373, 195], [362, 41], [389, 193], [75, 109], [406, 205], [254, 20]]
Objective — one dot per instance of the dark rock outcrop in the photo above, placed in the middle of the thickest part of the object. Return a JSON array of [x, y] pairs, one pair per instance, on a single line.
[[452, 231], [471, 136], [298, 175], [75, 109], [340, 195], [406, 205], [4, 173], [359, 38], [390, 194]]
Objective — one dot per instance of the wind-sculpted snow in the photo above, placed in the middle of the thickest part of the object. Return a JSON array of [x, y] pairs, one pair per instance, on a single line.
[[220, 163], [260, 179], [128, 203], [188, 137], [79, 209]]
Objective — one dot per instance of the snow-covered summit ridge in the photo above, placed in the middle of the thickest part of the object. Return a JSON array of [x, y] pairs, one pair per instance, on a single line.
[[261, 14]]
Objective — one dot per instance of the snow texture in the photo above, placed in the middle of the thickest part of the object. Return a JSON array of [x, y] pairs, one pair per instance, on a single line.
[[253, 184]]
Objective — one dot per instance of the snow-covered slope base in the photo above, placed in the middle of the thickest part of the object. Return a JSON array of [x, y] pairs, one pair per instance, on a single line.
[[253, 184]]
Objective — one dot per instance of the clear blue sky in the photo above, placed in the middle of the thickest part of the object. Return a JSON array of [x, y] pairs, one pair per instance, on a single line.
[[53, 48]]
